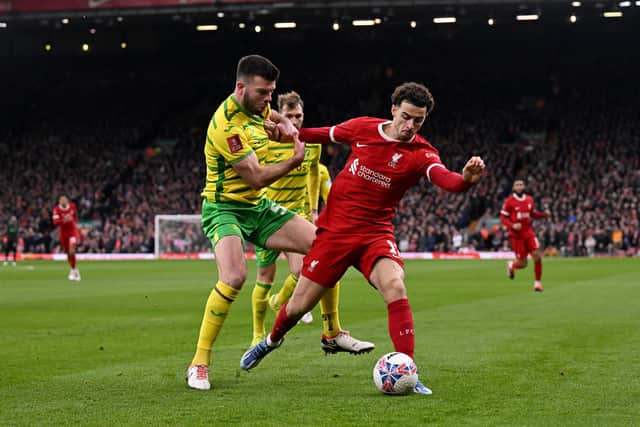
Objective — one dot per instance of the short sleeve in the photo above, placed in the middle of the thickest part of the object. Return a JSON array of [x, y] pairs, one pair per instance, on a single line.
[[232, 144]]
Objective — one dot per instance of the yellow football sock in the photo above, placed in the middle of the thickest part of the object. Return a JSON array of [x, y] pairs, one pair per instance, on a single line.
[[259, 300], [329, 309], [287, 289], [215, 312]]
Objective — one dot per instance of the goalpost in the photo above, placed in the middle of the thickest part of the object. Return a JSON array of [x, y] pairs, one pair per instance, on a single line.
[[179, 236]]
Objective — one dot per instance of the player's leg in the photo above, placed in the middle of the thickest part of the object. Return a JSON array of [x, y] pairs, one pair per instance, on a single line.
[[520, 261], [296, 235], [5, 248], [387, 276], [71, 257], [536, 254], [284, 294], [265, 260], [305, 296], [225, 225], [232, 271], [325, 263], [14, 249]]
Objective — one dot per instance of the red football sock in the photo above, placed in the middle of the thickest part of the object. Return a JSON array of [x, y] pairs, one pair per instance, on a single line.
[[517, 264], [282, 325], [72, 260], [401, 326], [537, 268]]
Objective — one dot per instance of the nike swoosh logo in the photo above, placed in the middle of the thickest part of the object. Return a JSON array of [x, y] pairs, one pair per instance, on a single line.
[[215, 313], [97, 3], [361, 145]]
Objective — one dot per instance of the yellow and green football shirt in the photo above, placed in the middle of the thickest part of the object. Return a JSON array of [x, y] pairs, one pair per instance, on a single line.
[[233, 135], [291, 191]]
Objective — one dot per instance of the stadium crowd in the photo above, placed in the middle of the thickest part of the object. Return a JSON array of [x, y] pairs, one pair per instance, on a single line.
[[576, 146]]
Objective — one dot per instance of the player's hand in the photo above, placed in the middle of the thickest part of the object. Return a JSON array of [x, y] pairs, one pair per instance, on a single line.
[[287, 130], [314, 217], [547, 213], [272, 130], [298, 150], [516, 226], [473, 170]]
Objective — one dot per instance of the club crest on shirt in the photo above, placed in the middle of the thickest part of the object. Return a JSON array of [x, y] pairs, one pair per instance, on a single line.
[[394, 160], [235, 145]]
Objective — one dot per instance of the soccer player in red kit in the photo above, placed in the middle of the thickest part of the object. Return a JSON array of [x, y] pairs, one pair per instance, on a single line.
[[354, 229], [517, 211], [65, 216]]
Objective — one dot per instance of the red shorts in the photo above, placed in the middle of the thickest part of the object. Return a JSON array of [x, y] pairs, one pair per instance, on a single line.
[[524, 246], [69, 240], [333, 253]]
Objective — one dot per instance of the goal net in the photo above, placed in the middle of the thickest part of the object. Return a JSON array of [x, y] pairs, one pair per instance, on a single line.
[[180, 236]]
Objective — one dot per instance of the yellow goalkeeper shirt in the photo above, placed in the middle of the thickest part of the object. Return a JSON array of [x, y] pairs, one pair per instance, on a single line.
[[233, 134]]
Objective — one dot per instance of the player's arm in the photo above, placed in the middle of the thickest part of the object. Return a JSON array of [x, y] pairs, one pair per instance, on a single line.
[[448, 180], [536, 214], [259, 176], [57, 218], [505, 216]]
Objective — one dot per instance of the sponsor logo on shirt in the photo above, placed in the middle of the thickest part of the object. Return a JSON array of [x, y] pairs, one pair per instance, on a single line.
[[235, 145], [370, 175]]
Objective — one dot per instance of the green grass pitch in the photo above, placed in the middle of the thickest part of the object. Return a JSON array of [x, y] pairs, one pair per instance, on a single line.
[[112, 349]]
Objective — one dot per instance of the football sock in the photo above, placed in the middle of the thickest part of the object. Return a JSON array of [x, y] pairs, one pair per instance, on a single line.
[[215, 312], [517, 264], [287, 289], [71, 259], [329, 309], [537, 268], [401, 326], [282, 325], [259, 300]]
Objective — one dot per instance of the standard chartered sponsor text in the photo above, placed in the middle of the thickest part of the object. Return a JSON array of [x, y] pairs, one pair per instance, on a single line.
[[374, 177]]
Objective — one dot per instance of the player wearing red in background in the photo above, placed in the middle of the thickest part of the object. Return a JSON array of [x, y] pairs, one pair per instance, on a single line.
[[517, 211], [65, 216], [354, 229]]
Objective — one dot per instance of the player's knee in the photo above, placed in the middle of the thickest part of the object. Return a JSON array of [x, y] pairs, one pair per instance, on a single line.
[[235, 279], [393, 290]]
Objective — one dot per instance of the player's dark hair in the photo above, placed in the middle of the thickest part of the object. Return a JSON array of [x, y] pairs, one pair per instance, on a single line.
[[413, 93], [290, 99], [256, 65]]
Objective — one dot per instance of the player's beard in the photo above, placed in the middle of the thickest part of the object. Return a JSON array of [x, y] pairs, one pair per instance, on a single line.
[[250, 106]]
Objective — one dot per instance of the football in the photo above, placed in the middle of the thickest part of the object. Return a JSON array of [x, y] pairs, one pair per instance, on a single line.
[[395, 373]]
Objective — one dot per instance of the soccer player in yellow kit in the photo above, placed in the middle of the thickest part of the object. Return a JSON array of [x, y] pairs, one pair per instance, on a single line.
[[235, 208], [298, 191]]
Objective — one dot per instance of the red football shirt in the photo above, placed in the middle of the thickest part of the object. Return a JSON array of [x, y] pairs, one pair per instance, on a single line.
[[376, 175], [519, 209], [66, 219]]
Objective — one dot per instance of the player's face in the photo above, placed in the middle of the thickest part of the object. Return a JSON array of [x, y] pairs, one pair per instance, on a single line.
[[518, 187], [296, 115], [256, 93], [407, 120], [63, 201]]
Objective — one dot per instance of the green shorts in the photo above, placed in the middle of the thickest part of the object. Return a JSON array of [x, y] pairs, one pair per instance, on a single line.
[[266, 257], [255, 223]]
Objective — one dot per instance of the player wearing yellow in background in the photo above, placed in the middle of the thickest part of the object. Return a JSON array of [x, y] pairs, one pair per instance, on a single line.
[[235, 208], [325, 182], [298, 191]]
